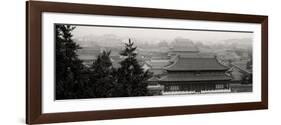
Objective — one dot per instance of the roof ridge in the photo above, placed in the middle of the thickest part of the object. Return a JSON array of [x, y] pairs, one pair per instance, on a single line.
[[220, 63]]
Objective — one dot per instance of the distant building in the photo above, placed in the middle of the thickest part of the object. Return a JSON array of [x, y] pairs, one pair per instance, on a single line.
[[227, 57], [183, 47]]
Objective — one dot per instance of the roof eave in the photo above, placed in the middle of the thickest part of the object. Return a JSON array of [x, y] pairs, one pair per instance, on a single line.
[[194, 70], [194, 80]]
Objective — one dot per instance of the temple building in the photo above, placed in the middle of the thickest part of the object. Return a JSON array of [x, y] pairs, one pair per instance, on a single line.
[[195, 75], [190, 71]]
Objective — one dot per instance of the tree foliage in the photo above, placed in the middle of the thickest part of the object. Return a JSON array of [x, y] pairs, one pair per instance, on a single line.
[[102, 79], [74, 80], [68, 66], [247, 79], [131, 76]]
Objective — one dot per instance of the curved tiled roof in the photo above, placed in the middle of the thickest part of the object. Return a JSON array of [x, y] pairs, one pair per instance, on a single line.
[[242, 65], [158, 64], [195, 77], [196, 64]]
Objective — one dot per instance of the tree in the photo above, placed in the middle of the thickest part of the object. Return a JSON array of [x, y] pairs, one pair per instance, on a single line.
[[247, 79], [249, 64], [131, 77], [102, 80], [68, 66]]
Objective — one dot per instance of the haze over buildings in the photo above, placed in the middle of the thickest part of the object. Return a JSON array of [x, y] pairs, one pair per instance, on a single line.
[[154, 36]]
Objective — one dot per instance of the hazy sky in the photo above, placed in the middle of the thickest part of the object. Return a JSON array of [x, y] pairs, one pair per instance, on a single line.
[[158, 34]]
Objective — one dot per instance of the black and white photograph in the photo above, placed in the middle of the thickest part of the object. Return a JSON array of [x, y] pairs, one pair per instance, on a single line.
[[103, 61]]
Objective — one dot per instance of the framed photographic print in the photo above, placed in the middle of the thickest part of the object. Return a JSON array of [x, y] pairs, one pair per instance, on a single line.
[[93, 62]]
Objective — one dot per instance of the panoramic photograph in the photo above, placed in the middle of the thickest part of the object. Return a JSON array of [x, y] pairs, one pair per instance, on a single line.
[[98, 61]]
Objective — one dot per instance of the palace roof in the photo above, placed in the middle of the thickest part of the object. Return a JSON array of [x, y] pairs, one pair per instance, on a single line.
[[158, 64], [196, 64], [242, 66]]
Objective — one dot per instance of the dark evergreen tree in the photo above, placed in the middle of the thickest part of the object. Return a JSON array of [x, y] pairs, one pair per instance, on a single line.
[[102, 79], [247, 79], [249, 65], [68, 66], [132, 79]]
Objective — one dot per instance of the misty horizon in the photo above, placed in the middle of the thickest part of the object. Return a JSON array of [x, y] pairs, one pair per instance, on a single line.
[[154, 36]]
